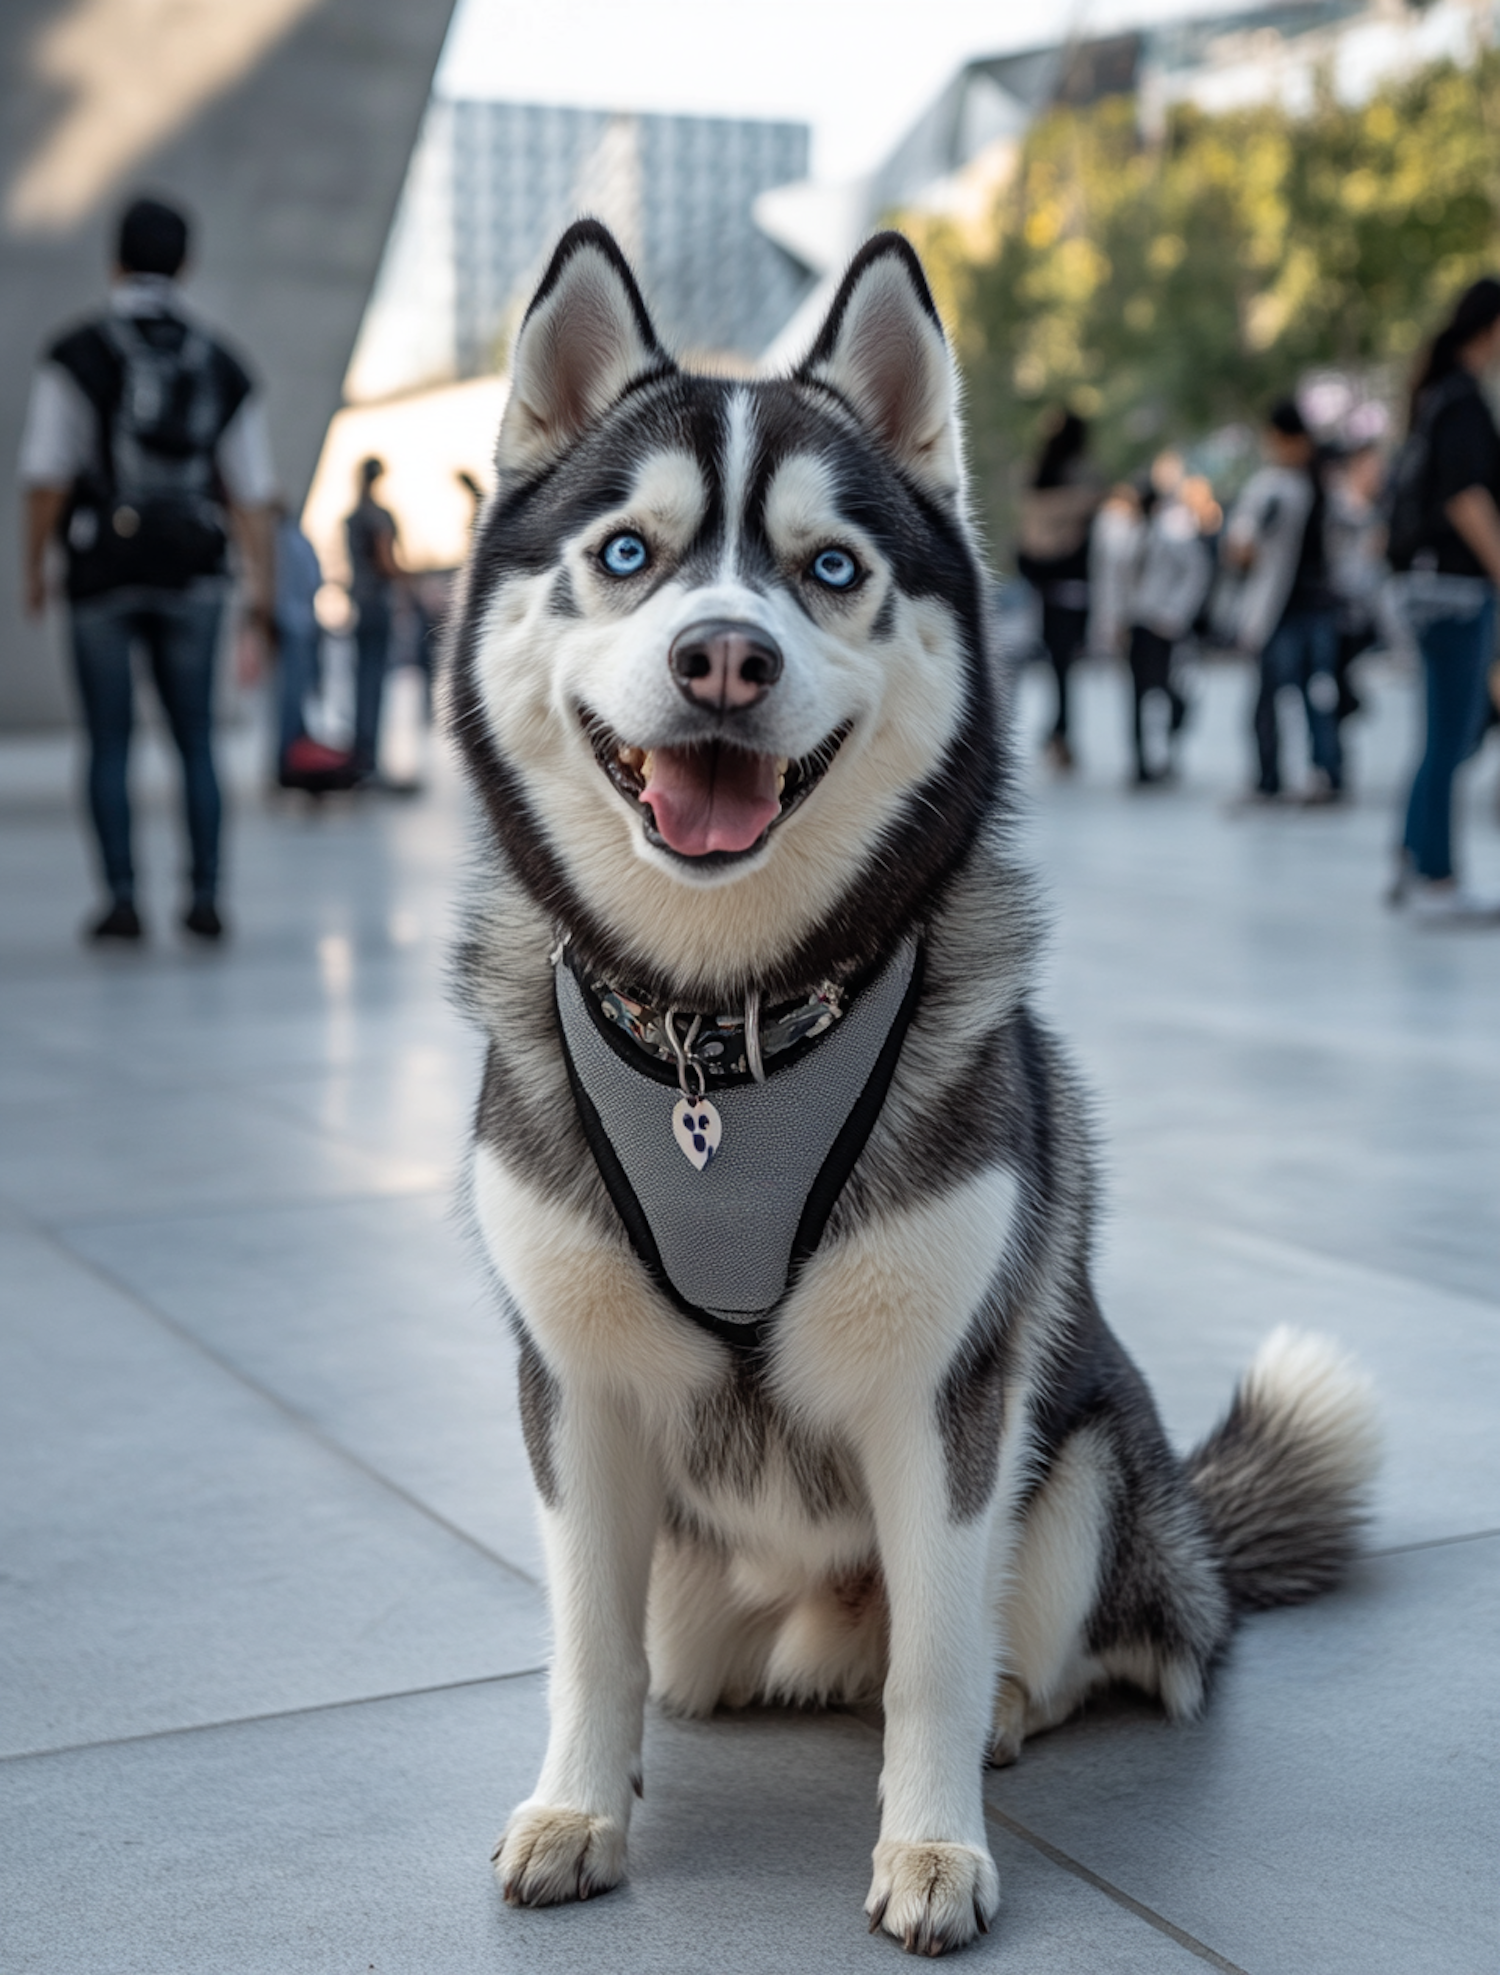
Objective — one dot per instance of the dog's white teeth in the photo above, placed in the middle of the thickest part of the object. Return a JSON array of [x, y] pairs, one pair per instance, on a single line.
[[632, 758], [647, 763], [783, 763]]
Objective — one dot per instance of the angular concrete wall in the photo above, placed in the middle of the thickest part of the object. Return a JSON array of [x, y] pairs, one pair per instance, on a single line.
[[292, 166]]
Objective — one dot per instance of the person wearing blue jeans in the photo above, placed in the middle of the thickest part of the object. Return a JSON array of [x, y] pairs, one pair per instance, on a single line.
[[1456, 653], [1288, 609], [299, 577], [145, 444], [372, 657], [370, 531], [1452, 572], [178, 632], [297, 656], [1303, 652]]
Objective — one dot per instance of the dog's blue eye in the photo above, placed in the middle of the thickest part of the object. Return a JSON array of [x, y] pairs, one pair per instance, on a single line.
[[835, 568], [624, 555]]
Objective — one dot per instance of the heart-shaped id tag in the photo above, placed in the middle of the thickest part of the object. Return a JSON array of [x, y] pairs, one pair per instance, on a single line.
[[697, 1129]]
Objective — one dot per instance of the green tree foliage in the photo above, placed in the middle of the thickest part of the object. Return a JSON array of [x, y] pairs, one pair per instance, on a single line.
[[1164, 288]]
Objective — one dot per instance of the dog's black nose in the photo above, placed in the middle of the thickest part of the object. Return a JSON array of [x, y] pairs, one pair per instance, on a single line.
[[723, 664]]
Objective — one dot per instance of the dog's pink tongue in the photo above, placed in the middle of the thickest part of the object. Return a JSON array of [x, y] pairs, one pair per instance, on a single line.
[[711, 798]]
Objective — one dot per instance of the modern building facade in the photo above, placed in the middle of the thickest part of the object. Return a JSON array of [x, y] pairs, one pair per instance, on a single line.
[[492, 186], [284, 126]]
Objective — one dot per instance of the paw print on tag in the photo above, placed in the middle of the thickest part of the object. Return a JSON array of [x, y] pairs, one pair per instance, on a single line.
[[697, 1129]]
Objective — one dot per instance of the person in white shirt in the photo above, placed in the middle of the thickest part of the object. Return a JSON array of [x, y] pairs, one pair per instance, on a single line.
[[145, 446], [1288, 614], [1171, 580]]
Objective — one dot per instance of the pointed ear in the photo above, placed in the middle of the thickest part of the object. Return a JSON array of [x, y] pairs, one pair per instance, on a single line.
[[584, 339], [883, 350]]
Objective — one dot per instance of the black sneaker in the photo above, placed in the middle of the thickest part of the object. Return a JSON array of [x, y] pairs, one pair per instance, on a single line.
[[203, 920], [122, 921]]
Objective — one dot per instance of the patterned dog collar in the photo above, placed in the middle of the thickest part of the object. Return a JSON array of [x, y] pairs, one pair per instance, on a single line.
[[719, 1048]]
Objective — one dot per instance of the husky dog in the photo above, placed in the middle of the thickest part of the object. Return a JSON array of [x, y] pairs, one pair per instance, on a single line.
[[790, 1194]]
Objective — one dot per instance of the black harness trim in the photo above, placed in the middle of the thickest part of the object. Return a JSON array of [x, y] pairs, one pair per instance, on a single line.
[[826, 1188]]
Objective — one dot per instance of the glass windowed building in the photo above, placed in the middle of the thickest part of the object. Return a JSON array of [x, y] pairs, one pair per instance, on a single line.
[[493, 184]]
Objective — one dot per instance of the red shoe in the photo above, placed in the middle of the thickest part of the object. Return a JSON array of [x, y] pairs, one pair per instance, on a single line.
[[308, 765]]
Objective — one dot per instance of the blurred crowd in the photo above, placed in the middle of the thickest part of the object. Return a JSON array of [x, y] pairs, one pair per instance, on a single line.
[[1333, 547], [385, 622], [146, 461]]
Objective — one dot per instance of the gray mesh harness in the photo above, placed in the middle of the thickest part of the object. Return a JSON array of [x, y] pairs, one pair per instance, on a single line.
[[725, 1244]]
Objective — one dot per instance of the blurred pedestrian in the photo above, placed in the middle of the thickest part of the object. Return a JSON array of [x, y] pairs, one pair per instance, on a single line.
[[1287, 612], [145, 443], [1114, 550], [370, 531], [1057, 513], [1453, 570], [1172, 577], [302, 761], [299, 636], [1356, 561]]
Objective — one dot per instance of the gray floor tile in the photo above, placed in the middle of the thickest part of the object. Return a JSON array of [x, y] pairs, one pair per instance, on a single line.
[[1268, 1046], [358, 1838], [1399, 1176], [138, 1152], [1193, 1302], [1300, 1093], [33, 1071], [179, 1551], [375, 1321], [1335, 1808], [415, 1104], [177, 1019]]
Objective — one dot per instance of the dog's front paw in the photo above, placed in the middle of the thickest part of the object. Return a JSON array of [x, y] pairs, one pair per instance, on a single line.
[[548, 1854], [932, 1897]]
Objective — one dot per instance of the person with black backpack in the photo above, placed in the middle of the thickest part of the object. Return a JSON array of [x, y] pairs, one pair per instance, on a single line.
[[145, 443], [1287, 613], [1444, 538]]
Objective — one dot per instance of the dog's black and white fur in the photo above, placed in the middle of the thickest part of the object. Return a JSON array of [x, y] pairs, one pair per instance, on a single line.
[[938, 1479]]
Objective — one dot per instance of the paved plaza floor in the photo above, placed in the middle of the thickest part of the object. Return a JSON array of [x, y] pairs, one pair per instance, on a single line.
[[271, 1634]]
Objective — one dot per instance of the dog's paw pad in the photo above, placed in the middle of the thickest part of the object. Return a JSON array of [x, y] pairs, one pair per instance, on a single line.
[[932, 1897], [549, 1854]]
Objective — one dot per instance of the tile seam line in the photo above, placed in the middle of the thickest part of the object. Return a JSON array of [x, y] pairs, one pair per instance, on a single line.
[[1065, 1863], [1302, 1250], [1422, 1051], [280, 1109], [275, 1714], [276, 1204], [1434, 1543], [303, 1421]]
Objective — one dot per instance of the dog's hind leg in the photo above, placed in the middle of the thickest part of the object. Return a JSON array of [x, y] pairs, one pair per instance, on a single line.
[[832, 1643], [707, 1646], [567, 1841], [1048, 1593]]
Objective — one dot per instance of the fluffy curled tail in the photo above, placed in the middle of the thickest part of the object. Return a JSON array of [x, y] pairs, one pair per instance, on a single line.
[[1285, 1477]]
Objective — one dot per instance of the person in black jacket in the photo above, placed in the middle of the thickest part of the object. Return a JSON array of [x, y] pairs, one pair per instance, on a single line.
[[145, 442], [1057, 517], [371, 534], [1451, 591]]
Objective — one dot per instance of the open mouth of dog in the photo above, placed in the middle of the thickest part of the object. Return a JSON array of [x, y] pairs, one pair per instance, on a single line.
[[710, 799]]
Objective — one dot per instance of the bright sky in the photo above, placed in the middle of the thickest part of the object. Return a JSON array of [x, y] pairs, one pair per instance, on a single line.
[[859, 71]]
